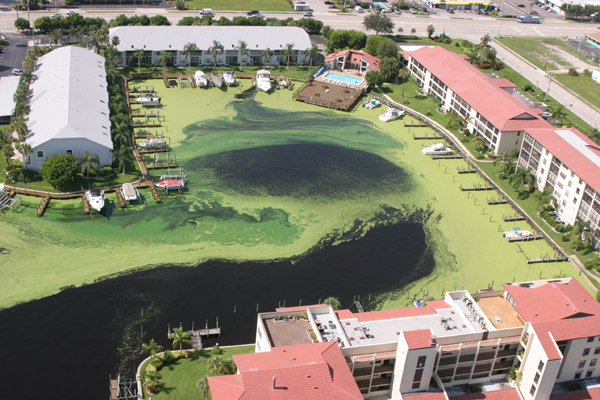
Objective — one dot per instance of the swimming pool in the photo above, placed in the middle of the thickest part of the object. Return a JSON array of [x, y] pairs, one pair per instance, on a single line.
[[344, 78]]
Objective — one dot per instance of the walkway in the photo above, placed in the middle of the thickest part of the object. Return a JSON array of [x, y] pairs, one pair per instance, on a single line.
[[588, 112]]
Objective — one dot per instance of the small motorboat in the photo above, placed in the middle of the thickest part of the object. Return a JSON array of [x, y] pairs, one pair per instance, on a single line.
[[216, 80], [436, 149], [201, 80], [171, 184], [150, 144], [263, 80], [95, 199], [516, 235], [129, 192], [229, 79], [391, 114], [148, 101], [372, 103]]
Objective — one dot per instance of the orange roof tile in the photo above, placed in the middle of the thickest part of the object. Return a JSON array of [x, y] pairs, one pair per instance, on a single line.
[[356, 56], [316, 370], [506, 394], [419, 339], [590, 394], [483, 93], [438, 304], [424, 396]]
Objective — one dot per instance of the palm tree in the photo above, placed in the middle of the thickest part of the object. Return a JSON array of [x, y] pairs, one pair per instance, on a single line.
[[123, 156], [215, 365], [543, 198], [189, 49], [243, 49], [120, 135], [25, 149], [229, 367], [453, 119], [559, 114], [55, 36], [139, 55], [312, 53], [404, 74], [152, 380], [152, 348], [115, 41], [203, 386], [521, 178], [6, 146], [180, 338], [165, 57], [88, 162], [18, 125], [288, 53], [575, 235], [266, 55], [214, 50]]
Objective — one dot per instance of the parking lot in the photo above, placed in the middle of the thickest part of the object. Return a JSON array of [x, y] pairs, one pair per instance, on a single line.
[[13, 54]]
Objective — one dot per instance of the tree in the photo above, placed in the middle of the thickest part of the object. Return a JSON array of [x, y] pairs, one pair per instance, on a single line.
[[60, 170], [243, 49], [288, 53], [522, 178], [387, 48], [453, 119], [6, 146], [152, 380], [122, 156], [159, 19], [56, 36], [378, 22], [430, 30], [179, 338], [266, 55], [326, 31], [115, 41], [342, 39], [151, 348], [215, 365], [413, 30], [203, 386], [312, 53], [389, 68], [88, 162], [164, 58], [558, 114], [404, 75], [139, 56], [400, 29], [214, 50], [374, 78], [334, 302], [575, 235], [189, 49], [22, 24], [179, 4], [543, 198], [25, 149]]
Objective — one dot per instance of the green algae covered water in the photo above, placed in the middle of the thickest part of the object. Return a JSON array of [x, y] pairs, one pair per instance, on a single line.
[[269, 178]]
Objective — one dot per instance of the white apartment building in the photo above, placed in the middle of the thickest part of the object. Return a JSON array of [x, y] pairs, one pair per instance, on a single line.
[[491, 107], [548, 330], [154, 40], [568, 162]]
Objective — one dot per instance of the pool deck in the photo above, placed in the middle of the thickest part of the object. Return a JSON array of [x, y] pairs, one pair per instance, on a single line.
[[332, 93]]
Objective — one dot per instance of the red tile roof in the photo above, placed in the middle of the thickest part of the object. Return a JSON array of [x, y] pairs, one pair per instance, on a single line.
[[356, 56], [570, 156], [316, 370], [425, 396], [560, 301], [506, 394], [438, 304], [386, 314], [591, 394], [419, 339], [567, 329], [483, 93]]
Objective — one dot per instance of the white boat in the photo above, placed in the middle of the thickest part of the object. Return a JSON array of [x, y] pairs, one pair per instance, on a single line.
[[129, 192], [372, 103], [263, 80], [391, 114], [171, 184], [147, 100], [216, 80], [201, 79], [516, 234], [95, 199], [436, 149], [150, 144], [229, 79]]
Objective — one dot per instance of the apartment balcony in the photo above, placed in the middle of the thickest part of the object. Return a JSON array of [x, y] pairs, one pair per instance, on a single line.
[[507, 353], [380, 382], [382, 369], [504, 365], [482, 368], [445, 373], [448, 361], [467, 358], [463, 370], [486, 356]]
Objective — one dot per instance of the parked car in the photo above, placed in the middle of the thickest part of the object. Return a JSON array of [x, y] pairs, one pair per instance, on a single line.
[[16, 72], [333, 7], [308, 14], [387, 10], [206, 11], [521, 6], [253, 12], [398, 12], [259, 15], [412, 10], [56, 15], [533, 12], [451, 11], [328, 2], [71, 12]]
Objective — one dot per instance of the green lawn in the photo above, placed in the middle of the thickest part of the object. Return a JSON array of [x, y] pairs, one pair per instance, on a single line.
[[537, 52], [583, 85], [241, 5], [180, 377], [294, 71]]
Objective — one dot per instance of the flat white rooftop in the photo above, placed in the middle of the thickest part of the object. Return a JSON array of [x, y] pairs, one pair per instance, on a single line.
[[8, 88]]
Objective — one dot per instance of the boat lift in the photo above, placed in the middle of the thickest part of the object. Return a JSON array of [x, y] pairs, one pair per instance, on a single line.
[[174, 173]]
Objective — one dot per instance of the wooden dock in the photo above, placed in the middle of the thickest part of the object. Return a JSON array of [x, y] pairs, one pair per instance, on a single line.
[[43, 205], [492, 202], [545, 260], [146, 125], [453, 157], [196, 341], [525, 239], [150, 151], [515, 218], [120, 198], [476, 188], [86, 205], [359, 306], [466, 171], [161, 166], [154, 192]]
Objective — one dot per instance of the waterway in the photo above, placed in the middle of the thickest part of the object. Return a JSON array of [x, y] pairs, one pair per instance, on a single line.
[[66, 345]]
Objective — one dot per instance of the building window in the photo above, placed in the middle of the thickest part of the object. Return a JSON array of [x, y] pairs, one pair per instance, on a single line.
[[581, 364], [588, 374], [541, 366], [537, 377], [421, 362], [40, 154], [597, 350], [70, 152], [532, 390], [578, 375], [586, 352], [593, 362], [416, 385]]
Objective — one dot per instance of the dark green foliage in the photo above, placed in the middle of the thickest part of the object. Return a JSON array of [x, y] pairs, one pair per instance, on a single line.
[[573, 71], [60, 170], [310, 25], [378, 22], [390, 67], [22, 24], [374, 78], [21, 175], [343, 39]]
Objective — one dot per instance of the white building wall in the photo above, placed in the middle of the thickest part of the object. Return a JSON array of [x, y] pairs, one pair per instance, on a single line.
[[580, 359], [537, 367], [262, 340], [77, 147], [407, 364]]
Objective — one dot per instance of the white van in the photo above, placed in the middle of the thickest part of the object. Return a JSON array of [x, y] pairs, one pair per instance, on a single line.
[[206, 11], [359, 9]]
